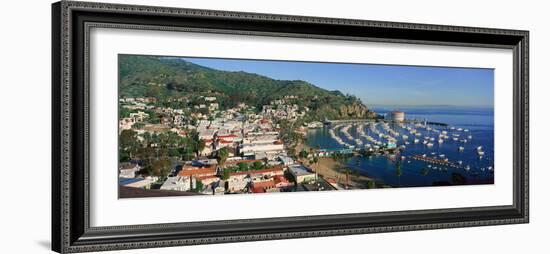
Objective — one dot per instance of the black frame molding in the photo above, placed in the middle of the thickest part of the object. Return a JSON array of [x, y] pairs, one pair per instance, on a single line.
[[71, 22]]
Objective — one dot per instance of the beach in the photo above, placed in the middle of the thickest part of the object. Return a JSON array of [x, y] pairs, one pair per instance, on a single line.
[[328, 168]]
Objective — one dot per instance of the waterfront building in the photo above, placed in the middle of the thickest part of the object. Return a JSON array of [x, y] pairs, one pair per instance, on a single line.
[[301, 173], [314, 125], [396, 116]]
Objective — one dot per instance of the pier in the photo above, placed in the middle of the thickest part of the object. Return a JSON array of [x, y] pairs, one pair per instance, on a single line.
[[440, 162], [412, 121]]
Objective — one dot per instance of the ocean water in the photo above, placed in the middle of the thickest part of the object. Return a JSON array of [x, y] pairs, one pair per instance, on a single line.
[[413, 173]]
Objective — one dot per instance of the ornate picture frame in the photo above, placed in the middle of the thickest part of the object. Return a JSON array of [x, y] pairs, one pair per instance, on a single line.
[[71, 24]]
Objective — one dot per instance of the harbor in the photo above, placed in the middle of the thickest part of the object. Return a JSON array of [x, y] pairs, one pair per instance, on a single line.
[[407, 153]]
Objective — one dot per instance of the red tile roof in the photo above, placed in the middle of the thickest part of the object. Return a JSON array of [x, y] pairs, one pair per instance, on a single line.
[[228, 136], [257, 190], [198, 172], [277, 169], [264, 184], [280, 179]]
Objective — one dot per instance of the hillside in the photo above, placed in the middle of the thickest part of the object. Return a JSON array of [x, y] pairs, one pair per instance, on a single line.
[[166, 78]]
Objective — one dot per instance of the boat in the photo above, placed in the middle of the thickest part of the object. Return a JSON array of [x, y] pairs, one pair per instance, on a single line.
[[416, 141], [455, 139], [430, 145], [440, 141], [467, 168], [480, 153], [460, 148]]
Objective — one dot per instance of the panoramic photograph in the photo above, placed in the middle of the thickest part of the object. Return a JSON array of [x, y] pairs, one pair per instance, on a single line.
[[192, 126]]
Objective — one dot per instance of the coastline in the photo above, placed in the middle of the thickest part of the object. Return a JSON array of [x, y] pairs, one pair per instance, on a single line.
[[327, 167]]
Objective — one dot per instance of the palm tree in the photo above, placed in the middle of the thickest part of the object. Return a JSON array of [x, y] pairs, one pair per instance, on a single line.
[[347, 171], [201, 145], [221, 156]]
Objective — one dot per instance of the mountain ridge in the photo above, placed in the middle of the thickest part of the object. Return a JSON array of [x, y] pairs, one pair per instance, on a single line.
[[170, 77]]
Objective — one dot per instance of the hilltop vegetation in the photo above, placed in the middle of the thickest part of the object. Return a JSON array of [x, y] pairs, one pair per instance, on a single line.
[[167, 78]]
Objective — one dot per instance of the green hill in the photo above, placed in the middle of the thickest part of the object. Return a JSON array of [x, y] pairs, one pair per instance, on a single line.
[[168, 77]]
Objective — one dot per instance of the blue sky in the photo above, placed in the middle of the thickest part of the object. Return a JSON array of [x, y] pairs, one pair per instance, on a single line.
[[378, 85]]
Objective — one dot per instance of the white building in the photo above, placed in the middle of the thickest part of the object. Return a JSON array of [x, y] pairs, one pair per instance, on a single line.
[[178, 183], [301, 173], [139, 116], [286, 160], [126, 123], [207, 133], [237, 182], [144, 183], [268, 148], [128, 170], [396, 116]]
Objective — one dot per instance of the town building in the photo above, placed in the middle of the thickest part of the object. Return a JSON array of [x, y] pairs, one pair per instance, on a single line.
[[396, 116], [179, 183], [128, 170], [197, 171], [301, 173], [142, 183]]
